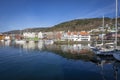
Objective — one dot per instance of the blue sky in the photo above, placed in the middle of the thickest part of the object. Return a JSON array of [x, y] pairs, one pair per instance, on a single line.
[[21, 14]]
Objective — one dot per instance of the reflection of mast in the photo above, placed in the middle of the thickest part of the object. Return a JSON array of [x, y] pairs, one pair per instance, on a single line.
[[102, 72], [116, 66], [101, 61]]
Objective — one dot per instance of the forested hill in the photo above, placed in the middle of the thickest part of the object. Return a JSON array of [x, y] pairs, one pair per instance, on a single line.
[[83, 24], [74, 25]]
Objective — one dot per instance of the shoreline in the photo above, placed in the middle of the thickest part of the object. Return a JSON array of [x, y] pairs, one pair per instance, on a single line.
[[72, 42]]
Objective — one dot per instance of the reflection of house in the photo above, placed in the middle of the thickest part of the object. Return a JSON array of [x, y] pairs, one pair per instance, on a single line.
[[31, 45], [40, 45], [77, 36], [76, 48], [7, 43]]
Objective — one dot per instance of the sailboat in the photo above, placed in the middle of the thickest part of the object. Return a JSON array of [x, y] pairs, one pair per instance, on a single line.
[[100, 48], [96, 44], [116, 53], [20, 41], [102, 35]]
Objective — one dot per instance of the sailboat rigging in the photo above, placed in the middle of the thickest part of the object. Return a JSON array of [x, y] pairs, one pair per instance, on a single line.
[[103, 32], [115, 50], [116, 24]]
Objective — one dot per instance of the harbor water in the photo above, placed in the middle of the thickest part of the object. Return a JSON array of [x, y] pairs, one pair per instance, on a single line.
[[40, 61]]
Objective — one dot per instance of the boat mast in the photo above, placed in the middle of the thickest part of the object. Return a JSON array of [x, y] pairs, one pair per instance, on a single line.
[[103, 31], [116, 23]]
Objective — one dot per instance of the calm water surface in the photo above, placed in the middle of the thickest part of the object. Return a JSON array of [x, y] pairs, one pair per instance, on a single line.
[[38, 61]]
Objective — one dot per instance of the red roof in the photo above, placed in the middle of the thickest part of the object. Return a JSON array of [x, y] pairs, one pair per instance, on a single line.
[[68, 33], [75, 33], [84, 33]]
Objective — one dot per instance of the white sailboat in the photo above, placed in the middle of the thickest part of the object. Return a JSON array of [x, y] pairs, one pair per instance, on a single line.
[[100, 48], [116, 53], [101, 44], [101, 35], [20, 41]]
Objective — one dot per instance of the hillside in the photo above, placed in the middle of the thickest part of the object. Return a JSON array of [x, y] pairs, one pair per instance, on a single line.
[[73, 25], [82, 24]]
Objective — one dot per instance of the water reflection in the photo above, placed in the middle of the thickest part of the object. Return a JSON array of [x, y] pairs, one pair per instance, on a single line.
[[5, 43], [116, 67], [40, 45], [30, 46], [103, 62], [73, 49], [108, 67]]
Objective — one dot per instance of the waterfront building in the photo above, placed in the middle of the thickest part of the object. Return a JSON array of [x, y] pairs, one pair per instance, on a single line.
[[29, 34], [40, 35], [84, 36], [48, 35], [7, 37], [2, 37], [77, 36]]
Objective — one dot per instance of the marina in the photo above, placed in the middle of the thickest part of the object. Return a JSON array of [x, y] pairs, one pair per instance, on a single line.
[[59, 40]]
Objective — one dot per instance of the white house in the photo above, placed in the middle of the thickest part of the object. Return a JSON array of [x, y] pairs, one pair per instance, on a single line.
[[77, 36], [40, 35], [29, 35], [7, 37], [84, 36]]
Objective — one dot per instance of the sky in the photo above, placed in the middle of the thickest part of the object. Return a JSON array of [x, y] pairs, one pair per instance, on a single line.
[[22, 14]]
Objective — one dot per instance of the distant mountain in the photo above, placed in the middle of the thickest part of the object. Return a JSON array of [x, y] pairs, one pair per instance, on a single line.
[[73, 25]]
